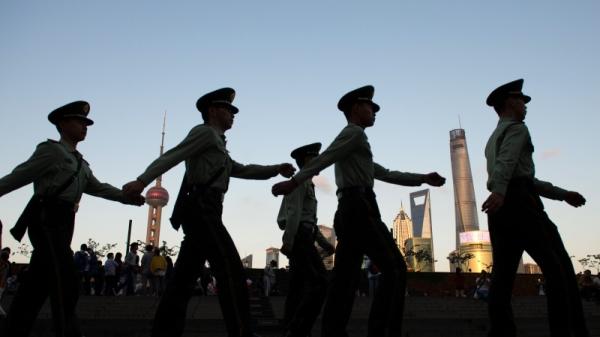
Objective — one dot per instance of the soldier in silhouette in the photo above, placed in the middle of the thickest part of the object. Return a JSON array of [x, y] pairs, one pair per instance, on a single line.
[[517, 221], [198, 211], [357, 223], [308, 277], [60, 176]]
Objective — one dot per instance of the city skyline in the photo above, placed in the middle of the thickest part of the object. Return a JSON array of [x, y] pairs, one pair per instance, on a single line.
[[429, 62]]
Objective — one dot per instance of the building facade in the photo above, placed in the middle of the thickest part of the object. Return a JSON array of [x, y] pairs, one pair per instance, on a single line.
[[419, 256], [422, 232], [272, 255], [402, 228]]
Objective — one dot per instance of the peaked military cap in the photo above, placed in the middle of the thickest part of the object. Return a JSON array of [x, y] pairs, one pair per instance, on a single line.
[[363, 94], [222, 96], [514, 88], [306, 150], [77, 109]]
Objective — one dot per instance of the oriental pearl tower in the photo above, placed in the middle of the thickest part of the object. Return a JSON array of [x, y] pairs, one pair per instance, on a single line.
[[156, 198]]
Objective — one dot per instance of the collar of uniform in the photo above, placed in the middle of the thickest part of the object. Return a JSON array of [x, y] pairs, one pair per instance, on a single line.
[[217, 132], [506, 120], [67, 146]]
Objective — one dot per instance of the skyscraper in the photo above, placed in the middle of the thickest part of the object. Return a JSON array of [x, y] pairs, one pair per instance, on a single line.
[[157, 197], [421, 242], [403, 228], [420, 211], [465, 207], [473, 248]]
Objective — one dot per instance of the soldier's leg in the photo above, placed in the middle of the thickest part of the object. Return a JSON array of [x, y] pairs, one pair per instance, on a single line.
[[565, 312], [63, 283], [294, 295], [225, 263], [507, 251], [346, 272], [387, 308], [169, 320], [313, 289], [30, 296]]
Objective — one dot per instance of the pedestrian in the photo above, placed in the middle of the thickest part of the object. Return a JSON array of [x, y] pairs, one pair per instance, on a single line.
[[110, 275], [158, 268], [517, 221], [269, 277], [198, 210], [459, 283], [60, 175], [146, 270], [482, 286], [357, 222], [81, 259], [308, 277], [131, 269]]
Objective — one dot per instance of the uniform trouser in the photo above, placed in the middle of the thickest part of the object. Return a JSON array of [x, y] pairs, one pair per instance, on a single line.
[[308, 284], [51, 273], [522, 225], [205, 239], [360, 231]]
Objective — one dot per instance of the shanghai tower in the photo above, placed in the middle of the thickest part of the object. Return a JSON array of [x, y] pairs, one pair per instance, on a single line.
[[465, 206]]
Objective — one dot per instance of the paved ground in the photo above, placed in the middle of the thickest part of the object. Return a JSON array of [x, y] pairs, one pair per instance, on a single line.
[[424, 317]]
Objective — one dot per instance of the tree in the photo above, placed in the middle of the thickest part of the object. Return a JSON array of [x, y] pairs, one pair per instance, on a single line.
[[24, 249], [168, 251], [460, 259], [591, 261], [102, 251]]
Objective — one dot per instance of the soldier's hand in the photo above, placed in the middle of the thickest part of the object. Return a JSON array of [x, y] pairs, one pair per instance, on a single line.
[[137, 200], [329, 250], [574, 199], [133, 188], [284, 187], [493, 203], [287, 170], [434, 179]]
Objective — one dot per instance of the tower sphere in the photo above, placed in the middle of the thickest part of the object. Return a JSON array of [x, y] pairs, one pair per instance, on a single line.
[[157, 196]]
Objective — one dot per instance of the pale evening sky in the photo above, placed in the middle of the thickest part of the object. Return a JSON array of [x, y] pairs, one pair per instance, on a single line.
[[430, 62]]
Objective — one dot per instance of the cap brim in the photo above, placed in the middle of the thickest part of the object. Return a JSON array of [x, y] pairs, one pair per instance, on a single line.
[[375, 106], [87, 120]]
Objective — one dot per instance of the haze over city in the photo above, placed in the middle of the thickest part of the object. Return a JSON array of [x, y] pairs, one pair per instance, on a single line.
[[432, 65]]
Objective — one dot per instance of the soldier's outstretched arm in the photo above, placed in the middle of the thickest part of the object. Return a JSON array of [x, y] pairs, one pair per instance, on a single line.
[[108, 191]]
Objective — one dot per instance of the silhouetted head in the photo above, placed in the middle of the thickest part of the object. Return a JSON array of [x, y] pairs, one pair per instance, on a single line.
[[358, 106], [508, 100], [216, 107], [305, 153]]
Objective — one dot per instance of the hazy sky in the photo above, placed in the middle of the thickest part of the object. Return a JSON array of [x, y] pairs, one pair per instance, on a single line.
[[430, 62]]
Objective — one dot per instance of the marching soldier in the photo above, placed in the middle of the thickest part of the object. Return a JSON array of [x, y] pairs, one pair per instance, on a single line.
[[517, 221], [60, 175], [358, 223], [308, 278], [198, 211]]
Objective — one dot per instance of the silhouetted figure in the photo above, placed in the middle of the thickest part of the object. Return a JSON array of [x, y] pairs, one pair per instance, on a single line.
[[308, 277], [110, 275], [517, 221], [198, 211], [459, 283], [60, 175], [269, 278], [358, 224]]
